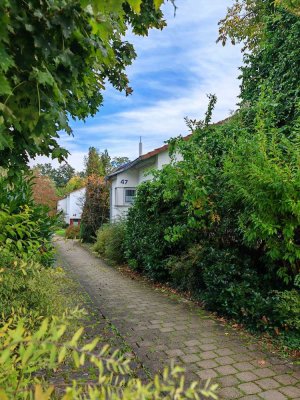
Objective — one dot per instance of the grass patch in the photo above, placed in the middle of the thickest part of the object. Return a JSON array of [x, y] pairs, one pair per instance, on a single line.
[[60, 232]]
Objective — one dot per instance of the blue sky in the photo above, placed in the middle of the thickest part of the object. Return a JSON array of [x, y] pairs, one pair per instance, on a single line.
[[174, 70]]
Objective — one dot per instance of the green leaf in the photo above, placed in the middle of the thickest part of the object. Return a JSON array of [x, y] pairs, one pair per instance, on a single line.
[[76, 336], [43, 77], [135, 5], [4, 86], [6, 140], [158, 3], [5, 60]]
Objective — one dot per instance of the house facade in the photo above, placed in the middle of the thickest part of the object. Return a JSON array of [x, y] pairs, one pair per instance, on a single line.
[[126, 178], [72, 206]]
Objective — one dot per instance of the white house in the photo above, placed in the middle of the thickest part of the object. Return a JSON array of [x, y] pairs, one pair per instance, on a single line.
[[71, 206], [126, 178]]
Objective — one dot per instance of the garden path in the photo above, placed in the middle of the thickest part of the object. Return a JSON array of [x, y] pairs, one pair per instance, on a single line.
[[159, 328]]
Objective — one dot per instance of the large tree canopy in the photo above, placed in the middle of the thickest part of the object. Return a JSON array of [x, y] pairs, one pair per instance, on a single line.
[[55, 59]]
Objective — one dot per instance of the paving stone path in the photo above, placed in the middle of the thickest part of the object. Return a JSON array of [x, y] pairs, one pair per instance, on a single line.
[[160, 329]]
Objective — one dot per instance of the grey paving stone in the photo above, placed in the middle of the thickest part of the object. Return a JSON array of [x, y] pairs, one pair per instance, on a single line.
[[192, 343], [242, 357], [268, 383], [243, 366], [206, 355], [273, 395], [207, 347], [207, 374], [224, 360], [189, 358], [291, 392], [229, 380], [226, 370], [174, 353], [207, 364], [164, 330], [250, 388], [224, 352], [230, 393], [286, 379], [246, 376], [264, 372], [191, 350]]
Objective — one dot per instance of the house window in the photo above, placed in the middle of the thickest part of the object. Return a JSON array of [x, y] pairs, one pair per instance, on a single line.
[[129, 195]]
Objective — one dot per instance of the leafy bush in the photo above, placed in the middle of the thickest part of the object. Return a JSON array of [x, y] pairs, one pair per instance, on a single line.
[[288, 310], [110, 242], [72, 232], [26, 229], [267, 185], [233, 287], [184, 270], [151, 215], [22, 234], [25, 283]]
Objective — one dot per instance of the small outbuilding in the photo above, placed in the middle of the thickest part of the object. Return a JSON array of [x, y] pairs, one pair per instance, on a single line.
[[72, 206]]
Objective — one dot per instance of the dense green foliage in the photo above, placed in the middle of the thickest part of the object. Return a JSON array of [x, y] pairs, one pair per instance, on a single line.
[[55, 60], [25, 284], [60, 175], [72, 232], [96, 203], [110, 242], [151, 214], [26, 228], [274, 65]]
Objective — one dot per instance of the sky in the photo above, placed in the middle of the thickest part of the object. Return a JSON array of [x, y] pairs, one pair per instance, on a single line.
[[174, 71]]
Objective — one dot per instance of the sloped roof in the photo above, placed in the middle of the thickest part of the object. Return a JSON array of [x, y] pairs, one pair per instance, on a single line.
[[143, 157], [152, 153]]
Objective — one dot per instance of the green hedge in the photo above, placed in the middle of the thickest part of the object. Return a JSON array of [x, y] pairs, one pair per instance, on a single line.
[[110, 242]]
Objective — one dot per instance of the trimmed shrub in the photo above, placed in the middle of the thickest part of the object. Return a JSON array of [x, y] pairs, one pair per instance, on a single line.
[[184, 270], [153, 213], [72, 232], [110, 242]]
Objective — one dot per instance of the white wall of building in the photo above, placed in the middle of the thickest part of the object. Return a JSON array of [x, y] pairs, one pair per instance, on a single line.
[[72, 205], [131, 178], [125, 180], [76, 200], [163, 158], [62, 206]]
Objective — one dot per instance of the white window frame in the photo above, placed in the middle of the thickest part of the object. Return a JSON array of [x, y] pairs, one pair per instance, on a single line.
[[129, 202]]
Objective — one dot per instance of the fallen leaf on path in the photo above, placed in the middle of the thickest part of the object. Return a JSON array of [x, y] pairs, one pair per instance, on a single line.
[[261, 363]]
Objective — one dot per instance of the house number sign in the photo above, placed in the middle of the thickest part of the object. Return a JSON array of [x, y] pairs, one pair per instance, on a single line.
[[124, 181]]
